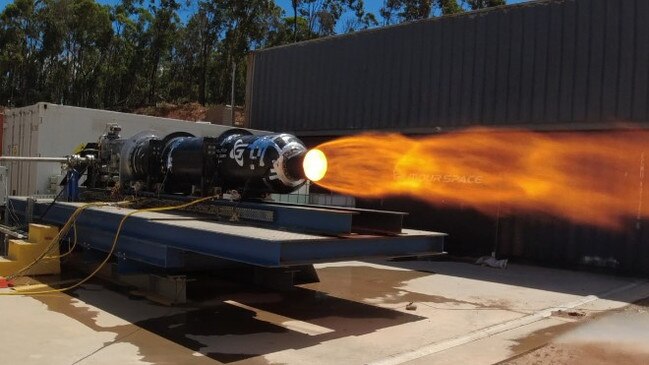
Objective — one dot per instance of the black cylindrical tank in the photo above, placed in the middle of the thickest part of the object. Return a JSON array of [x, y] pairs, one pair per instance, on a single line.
[[182, 159], [260, 163], [188, 162]]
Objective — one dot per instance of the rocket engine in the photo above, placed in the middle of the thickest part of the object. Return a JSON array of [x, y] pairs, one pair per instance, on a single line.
[[181, 163]]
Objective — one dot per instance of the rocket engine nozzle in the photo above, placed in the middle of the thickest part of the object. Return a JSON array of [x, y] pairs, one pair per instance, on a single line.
[[314, 165]]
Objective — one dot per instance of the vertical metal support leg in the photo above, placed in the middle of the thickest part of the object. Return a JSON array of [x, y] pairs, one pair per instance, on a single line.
[[3, 202], [29, 210], [73, 185], [285, 278], [4, 187]]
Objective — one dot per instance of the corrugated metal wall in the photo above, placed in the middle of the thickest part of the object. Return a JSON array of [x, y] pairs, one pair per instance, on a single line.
[[547, 65], [540, 239], [552, 241], [563, 64]]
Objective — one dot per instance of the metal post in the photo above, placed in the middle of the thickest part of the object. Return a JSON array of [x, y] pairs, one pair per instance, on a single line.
[[234, 72], [295, 4], [29, 210]]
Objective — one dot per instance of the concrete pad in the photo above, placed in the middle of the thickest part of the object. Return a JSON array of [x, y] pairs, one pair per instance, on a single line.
[[489, 350], [33, 335], [357, 314]]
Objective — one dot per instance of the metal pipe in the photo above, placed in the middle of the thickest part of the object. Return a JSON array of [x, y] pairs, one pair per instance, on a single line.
[[33, 159], [70, 160], [10, 231]]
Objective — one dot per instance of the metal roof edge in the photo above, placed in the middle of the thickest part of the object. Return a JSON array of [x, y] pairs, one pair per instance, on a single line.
[[409, 23]]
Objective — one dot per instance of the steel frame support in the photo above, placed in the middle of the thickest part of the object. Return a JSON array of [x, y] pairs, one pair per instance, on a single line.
[[165, 242]]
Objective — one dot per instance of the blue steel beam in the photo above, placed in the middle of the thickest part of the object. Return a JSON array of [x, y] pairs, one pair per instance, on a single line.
[[160, 239], [334, 222], [325, 220]]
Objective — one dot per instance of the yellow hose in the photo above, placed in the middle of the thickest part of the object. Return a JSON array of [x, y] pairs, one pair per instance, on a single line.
[[113, 246], [64, 230]]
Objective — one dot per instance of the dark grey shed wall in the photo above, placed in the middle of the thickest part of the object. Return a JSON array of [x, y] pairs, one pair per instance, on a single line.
[[557, 64]]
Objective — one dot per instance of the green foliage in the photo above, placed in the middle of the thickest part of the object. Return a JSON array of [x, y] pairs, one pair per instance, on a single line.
[[322, 16], [140, 52], [481, 4], [286, 30], [396, 11]]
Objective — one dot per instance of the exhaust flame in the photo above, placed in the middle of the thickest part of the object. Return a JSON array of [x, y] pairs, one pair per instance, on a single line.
[[592, 178], [315, 165]]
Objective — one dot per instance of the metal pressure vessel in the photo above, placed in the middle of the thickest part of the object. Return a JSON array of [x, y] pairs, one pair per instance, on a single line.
[[261, 163]]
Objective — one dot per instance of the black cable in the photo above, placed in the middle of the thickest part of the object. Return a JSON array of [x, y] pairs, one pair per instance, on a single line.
[[162, 185], [51, 205], [10, 210]]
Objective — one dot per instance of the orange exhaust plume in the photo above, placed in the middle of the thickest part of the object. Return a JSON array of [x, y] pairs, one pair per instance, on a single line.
[[594, 178]]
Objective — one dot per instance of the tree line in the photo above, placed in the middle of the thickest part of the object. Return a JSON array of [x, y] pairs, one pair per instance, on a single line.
[[142, 52]]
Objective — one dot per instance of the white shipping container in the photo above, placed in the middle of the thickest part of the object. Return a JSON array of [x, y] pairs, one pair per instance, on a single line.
[[52, 130]]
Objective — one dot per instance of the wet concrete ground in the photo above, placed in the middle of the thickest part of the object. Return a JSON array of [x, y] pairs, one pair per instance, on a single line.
[[356, 315]]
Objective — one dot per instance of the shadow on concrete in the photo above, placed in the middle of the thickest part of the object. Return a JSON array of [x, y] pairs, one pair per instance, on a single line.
[[224, 321]]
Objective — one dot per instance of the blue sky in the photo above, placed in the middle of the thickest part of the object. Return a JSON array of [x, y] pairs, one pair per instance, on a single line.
[[370, 5]]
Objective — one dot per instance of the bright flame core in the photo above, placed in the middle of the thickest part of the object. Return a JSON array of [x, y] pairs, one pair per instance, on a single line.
[[315, 165], [594, 178]]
